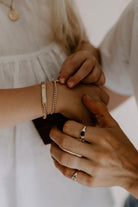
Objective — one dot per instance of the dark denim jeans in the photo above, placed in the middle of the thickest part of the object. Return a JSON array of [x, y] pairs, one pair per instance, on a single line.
[[131, 202]]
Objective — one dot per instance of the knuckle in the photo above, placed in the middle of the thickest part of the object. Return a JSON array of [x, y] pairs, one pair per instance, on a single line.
[[102, 79], [65, 160], [52, 133], [91, 170], [71, 162], [66, 173], [62, 158], [63, 142], [51, 150], [102, 158], [67, 126], [94, 77], [89, 182]]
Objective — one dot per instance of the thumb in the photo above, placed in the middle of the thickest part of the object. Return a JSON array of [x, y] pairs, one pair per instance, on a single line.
[[99, 109]]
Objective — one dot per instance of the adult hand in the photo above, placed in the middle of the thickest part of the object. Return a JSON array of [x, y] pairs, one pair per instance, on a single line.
[[82, 66], [106, 158]]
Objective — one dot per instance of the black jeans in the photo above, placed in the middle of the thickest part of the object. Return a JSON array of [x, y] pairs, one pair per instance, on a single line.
[[131, 202]]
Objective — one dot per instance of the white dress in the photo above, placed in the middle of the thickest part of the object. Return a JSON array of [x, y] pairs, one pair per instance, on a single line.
[[28, 177], [119, 51]]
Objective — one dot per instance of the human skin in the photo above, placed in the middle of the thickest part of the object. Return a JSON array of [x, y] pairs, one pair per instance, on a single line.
[[82, 66], [106, 158], [85, 66], [23, 104]]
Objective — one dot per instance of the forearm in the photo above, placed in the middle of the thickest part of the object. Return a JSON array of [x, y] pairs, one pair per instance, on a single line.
[[19, 105]]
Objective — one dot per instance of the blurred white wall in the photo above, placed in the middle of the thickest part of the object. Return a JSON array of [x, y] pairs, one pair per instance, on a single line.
[[99, 16]]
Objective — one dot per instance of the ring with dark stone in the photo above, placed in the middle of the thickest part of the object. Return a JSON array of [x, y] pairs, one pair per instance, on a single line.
[[82, 134]]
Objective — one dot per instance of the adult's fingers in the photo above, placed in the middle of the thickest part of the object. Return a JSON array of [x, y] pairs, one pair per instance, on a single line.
[[87, 180], [93, 135], [100, 111], [67, 142], [82, 178], [74, 162]]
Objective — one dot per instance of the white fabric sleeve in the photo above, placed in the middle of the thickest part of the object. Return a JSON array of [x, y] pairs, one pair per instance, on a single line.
[[115, 53]]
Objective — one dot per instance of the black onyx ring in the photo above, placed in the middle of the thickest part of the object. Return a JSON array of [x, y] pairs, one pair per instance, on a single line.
[[82, 134]]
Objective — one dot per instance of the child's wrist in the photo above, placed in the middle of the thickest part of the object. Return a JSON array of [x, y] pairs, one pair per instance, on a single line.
[[49, 95]]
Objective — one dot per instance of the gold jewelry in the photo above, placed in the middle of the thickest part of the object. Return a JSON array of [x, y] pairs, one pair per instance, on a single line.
[[54, 96], [49, 94], [75, 176], [49, 104], [13, 14], [44, 101]]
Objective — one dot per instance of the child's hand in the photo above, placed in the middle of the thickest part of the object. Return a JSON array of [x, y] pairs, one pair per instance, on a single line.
[[82, 66]]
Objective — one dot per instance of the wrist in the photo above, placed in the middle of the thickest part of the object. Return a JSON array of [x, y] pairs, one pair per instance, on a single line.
[[50, 97], [59, 101]]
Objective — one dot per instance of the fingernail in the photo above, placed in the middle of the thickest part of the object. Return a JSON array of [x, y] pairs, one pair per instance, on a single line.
[[62, 80], [70, 84]]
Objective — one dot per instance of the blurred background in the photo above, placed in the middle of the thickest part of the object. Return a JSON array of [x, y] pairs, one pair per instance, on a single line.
[[99, 16]]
